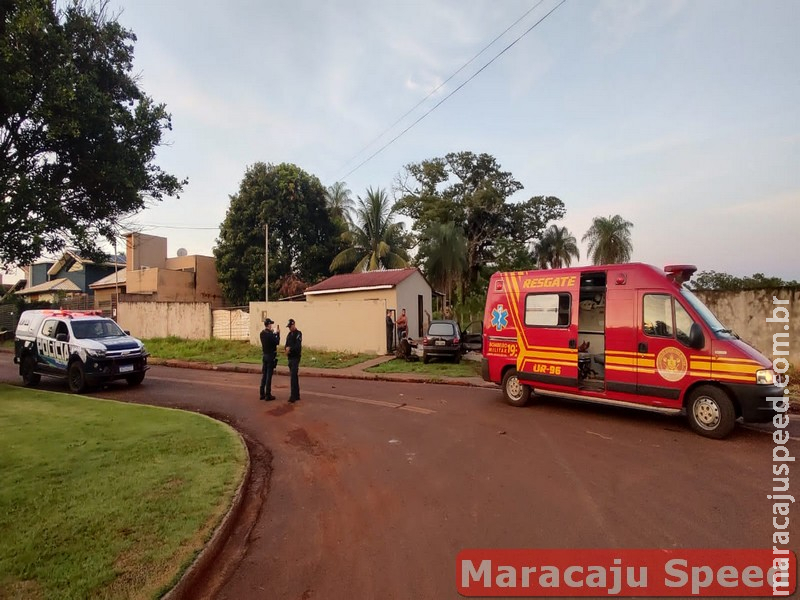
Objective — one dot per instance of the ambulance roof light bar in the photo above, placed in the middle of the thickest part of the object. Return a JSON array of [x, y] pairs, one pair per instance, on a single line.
[[679, 274]]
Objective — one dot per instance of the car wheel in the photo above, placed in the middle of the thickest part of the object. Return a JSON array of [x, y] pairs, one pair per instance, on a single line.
[[515, 392], [457, 358], [425, 358], [135, 379], [711, 412], [76, 377], [27, 370]]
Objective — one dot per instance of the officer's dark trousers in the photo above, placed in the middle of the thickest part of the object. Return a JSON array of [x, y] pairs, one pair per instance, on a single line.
[[294, 379], [267, 362]]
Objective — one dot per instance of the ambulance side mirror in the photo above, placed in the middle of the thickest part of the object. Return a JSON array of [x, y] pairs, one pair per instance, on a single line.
[[696, 338]]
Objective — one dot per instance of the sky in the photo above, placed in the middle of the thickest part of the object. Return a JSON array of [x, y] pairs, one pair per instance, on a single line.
[[681, 116]]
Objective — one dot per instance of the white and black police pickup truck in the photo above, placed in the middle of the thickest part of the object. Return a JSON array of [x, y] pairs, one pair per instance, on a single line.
[[84, 347]]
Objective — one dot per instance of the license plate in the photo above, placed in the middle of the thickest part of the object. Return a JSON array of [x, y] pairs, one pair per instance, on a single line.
[[440, 342], [125, 368]]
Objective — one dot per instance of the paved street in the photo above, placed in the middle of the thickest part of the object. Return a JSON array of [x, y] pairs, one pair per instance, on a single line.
[[369, 489]]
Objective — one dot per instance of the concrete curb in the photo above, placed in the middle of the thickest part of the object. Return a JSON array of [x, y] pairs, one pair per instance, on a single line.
[[212, 548], [347, 373]]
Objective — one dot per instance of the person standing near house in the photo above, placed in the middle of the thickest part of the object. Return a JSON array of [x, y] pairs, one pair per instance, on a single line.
[[402, 325], [389, 332], [294, 349], [269, 358]]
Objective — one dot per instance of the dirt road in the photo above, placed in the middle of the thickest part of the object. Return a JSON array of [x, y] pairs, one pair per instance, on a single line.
[[370, 489]]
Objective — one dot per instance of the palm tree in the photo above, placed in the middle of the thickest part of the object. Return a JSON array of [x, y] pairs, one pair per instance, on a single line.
[[375, 241], [609, 240], [556, 248], [445, 251], [340, 201]]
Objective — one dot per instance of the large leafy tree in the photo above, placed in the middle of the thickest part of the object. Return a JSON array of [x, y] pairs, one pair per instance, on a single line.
[[609, 240], [375, 240], [78, 136], [556, 248], [712, 280], [302, 234], [473, 192]]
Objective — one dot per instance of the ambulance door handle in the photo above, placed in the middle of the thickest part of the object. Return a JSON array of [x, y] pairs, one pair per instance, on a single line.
[[642, 347], [573, 344]]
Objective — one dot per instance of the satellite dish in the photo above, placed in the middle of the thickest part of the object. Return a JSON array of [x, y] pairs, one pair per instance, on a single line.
[[182, 252]]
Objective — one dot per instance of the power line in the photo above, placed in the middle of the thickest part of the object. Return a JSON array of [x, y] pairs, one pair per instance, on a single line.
[[437, 105], [441, 85]]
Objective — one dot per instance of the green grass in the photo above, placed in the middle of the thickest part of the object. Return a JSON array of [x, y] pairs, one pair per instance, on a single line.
[[216, 351], [466, 368], [104, 499]]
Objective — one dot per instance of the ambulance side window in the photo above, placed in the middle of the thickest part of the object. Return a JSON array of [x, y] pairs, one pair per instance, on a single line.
[[683, 324], [547, 310], [657, 315]]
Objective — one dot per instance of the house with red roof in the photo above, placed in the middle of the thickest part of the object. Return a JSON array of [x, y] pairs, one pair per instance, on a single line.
[[398, 288], [347, 313]]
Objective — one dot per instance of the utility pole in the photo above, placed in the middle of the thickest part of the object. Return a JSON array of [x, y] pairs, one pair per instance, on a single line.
[[266, 262], [115, 303]]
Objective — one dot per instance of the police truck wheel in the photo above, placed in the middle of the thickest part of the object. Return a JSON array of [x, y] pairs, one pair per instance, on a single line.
[[515, 392], [26, 369], [135, 379], [76, 377], [711, 412]]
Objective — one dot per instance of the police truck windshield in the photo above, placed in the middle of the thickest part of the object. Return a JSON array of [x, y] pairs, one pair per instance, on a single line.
[[96, 329]]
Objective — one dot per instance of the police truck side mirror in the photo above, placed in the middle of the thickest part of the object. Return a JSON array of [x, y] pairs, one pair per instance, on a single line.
[[696, 338], [62, 337]]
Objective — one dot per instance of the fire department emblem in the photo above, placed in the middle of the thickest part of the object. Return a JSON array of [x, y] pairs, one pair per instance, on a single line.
[[499, 318], [671, 364]]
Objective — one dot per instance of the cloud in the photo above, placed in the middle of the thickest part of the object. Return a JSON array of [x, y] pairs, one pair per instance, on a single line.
[[616, 22]]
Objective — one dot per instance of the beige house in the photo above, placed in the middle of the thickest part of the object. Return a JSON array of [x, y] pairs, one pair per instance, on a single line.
[[50, 291], [150, 275], [347, 313]]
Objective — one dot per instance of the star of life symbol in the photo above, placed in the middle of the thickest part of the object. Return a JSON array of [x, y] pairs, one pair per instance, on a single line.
[[499, 318]]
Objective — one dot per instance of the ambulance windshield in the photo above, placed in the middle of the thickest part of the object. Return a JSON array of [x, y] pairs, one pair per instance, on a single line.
[[708, 317]]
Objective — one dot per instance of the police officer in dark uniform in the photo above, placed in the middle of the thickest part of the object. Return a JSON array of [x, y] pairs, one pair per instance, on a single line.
[[294, 348], [269, 358]]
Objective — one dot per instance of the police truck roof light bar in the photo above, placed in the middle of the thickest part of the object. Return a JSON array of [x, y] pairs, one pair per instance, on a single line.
[[60, 312]]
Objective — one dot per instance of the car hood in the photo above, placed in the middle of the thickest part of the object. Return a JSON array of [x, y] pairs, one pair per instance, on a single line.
[[113, 344]]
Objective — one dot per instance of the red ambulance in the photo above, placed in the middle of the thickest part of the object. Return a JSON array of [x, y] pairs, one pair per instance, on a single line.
[[628, 335]]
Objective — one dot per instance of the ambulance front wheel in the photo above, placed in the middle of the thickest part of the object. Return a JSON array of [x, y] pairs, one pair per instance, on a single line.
[[515, 392], [711, 412]]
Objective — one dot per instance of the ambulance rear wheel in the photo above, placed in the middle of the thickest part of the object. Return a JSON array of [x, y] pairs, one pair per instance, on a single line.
[[515, 392], [76, 377], [711, 412], [26, 369]]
